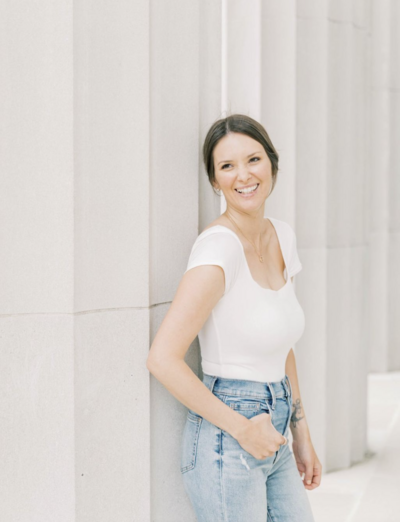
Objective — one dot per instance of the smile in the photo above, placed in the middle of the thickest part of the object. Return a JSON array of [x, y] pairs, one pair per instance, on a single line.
[[249, 190]]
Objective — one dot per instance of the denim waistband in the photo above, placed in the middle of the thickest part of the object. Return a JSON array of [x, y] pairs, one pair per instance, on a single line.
[[246, 388]]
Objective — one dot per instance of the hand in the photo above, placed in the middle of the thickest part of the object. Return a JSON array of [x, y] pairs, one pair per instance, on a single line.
[[307, 462], [260, 438]]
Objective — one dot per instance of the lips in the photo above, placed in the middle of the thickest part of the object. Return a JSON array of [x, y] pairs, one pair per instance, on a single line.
[[256, 185]]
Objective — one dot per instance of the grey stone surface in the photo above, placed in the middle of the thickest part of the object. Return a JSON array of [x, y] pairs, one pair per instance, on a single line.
[[104, 112]]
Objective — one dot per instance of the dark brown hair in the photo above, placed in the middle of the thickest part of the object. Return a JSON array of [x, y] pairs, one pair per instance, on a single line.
[[242, 124]]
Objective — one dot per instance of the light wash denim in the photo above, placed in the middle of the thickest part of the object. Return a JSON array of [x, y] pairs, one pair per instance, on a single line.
[[224, 482]]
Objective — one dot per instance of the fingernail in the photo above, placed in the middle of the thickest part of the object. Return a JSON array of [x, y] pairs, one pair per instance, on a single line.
[[308, 481]]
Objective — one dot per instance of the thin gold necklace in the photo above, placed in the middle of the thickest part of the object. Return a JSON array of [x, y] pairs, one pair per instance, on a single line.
[[254, 246]]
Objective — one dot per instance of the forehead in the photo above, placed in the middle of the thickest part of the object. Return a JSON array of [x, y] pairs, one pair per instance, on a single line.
[[235, 145]]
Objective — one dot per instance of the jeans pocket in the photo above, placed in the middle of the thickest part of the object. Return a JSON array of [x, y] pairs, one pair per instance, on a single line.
[[190, 440], [248, 406]]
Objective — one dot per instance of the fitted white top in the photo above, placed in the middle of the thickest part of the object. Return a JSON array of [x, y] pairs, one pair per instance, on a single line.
[[251, 329]]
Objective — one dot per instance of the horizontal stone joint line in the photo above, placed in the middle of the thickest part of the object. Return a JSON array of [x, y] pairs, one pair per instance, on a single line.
[[83, 312]]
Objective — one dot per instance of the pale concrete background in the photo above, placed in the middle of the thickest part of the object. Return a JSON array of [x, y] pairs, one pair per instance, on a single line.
[[104, 108], [368, 491]]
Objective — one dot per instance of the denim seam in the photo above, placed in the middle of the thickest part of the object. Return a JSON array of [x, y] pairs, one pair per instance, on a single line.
[[249, 395], [211, 388], [270, 518], [290, 385], [224, 513], [223, 510], [192, 463]]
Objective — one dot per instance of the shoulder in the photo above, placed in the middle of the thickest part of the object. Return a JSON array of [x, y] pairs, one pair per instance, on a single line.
[[219, 234], [220, 246], [218, 242]]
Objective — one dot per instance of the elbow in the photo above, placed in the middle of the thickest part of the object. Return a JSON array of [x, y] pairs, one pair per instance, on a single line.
[[157, 366], [150, 364], [154, 365]]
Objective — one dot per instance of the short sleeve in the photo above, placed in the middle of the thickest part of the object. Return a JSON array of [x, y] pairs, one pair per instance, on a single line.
[[218, 248], [294, 263]]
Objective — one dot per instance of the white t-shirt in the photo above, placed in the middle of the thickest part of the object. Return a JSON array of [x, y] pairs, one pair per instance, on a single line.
[[251, 329]]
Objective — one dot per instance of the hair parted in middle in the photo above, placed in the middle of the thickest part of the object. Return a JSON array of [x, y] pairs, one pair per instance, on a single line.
[[242, 124]]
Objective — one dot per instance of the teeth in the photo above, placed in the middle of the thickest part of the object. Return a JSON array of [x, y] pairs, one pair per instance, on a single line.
[[250, 189]]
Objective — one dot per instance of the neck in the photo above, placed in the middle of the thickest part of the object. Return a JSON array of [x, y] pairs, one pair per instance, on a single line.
[[252, 226]]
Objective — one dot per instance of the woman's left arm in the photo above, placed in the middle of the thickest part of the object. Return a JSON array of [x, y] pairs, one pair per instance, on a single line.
[[303, 449]]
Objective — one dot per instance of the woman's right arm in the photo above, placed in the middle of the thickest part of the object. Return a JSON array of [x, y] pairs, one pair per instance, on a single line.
[[198, 292]]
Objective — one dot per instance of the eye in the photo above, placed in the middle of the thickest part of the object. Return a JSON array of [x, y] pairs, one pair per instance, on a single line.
[[230, 164]]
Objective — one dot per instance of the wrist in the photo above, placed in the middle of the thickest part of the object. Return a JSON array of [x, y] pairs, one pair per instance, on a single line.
[[239, 425]]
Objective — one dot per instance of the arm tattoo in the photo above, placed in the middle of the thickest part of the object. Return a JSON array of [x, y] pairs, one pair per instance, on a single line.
[[296, 412]]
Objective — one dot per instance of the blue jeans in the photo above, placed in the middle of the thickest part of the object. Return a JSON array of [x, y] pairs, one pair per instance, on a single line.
[[224, 482]]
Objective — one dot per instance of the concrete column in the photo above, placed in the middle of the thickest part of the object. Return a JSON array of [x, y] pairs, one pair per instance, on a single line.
[[346, 368], [278, 100], [37, 447], [332, 110], [173, 219], [394, 193], [311, 216], [358, 289], [212, 93], [112, 259], [379, 159], [242, 57]]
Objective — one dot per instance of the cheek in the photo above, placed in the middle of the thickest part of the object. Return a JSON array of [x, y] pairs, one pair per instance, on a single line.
[[263, 173], [227, 180]]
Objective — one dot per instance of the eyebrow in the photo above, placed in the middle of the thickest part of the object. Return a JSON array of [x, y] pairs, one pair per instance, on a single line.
[[252, 154]]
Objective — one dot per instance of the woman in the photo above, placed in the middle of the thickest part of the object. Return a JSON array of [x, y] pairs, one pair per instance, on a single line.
[[237, 295]]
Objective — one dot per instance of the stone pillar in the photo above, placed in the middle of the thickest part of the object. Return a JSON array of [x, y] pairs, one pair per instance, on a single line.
[[394, 193], [311, 218], [113, 262], [173, 218], [278, 101], [37, 446], [379, 158], [242, 57], [332, 110]]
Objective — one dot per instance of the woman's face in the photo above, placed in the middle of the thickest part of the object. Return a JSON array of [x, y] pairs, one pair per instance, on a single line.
[[239, 162]]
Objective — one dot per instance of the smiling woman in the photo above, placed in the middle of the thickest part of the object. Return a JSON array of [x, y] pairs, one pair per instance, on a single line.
[[246, 126], [237, 296]]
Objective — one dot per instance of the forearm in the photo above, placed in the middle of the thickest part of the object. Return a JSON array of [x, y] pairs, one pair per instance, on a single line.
[[298, 421], [184, 385]]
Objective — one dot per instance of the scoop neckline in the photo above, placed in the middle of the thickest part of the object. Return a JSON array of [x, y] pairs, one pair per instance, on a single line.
[[245, 258]]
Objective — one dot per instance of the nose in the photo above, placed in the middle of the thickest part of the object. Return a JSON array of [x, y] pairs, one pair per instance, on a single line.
[[243, 173]]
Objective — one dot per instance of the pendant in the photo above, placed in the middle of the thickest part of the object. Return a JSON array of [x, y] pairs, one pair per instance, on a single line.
[[261, 259]]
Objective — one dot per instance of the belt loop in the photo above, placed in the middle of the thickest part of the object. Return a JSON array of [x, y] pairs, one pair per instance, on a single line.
[[271, 389], [289, 385], [212, 382], [286, 387]]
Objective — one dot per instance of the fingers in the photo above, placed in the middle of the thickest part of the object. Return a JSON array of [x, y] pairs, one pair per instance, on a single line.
[[312, 477], [308, 476]]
